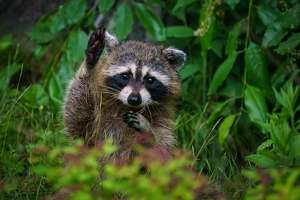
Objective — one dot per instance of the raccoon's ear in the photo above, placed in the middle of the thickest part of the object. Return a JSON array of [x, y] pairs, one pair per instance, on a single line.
[[175, 57], [110, 42]]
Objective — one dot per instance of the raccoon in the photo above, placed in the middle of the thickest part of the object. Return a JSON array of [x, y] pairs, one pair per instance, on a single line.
[[129, 92]]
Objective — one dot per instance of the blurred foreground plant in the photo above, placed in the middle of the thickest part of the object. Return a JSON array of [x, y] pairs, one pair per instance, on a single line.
[[149, 176]]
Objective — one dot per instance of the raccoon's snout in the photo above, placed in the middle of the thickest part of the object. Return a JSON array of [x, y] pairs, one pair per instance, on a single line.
[[134, 99]]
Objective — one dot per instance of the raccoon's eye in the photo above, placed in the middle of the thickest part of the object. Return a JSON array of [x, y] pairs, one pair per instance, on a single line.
[[125, 76], [150, 80]]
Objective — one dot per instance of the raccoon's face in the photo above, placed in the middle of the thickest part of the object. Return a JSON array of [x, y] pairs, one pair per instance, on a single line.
[[140, 74]]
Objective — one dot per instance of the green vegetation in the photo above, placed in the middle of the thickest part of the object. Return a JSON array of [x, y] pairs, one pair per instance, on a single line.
[[238, 116]]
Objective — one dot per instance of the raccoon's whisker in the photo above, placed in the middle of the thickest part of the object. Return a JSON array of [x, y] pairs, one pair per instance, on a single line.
[[155, 104], [156, 109], [110, 88], [149, 113], [111, 103], [142, 110]]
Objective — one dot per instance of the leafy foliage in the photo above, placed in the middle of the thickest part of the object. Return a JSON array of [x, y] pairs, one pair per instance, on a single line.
[[240, 99]]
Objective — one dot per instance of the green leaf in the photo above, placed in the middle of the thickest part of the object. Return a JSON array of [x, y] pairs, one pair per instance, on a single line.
[[291, 43], [232, 3], [155, 2], [261, 160], [40, 50], [188, 71], [5, 42], [123, 21], [41, 33], [267, 14], [282, 99], [257, 71], [35, 95], [179, 31], [75, 10], [77, 45], [66, 70], [217, 47], [265, 145], [181, 3], [56, 93], [59, 20], [277, 137], [225, 128], [105, 5], [274, 34], [151, 22], [232, 41], [290, 18], [221, 73], [256, 105], [206, 39]]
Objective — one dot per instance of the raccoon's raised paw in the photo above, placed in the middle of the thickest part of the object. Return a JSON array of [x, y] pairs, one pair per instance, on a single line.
[[95, 47], [136, 121]]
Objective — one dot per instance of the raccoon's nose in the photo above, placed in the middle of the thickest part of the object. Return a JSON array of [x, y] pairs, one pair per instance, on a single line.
[[134, 99]]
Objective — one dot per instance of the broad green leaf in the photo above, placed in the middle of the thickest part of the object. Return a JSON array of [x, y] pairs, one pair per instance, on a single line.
[[261, 160], [77, 45], [66, 70], [277, 137], [105, 5], [206, 39], [59, 20], [41, 33], [181, 3], [75, 10], [291, 43], [267, 14], [282, 99], [221, 73], [217, 47], [151, 22], [5, 42], [290, 18], [123, 21], [256, 105], [257, 71], [274, 34], [179, 31], [225, 128], [179, 13], [155, 2], [40, 50], [265, 145], [232, 41], [188, 71]]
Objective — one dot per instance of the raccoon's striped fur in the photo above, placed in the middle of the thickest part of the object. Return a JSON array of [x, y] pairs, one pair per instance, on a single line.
[[130, 91]]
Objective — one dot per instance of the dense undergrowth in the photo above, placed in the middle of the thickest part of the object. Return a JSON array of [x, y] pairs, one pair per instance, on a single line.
[[238, 116]]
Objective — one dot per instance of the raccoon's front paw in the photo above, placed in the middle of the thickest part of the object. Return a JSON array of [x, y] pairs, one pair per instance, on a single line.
[[95, 47], [136, 121]]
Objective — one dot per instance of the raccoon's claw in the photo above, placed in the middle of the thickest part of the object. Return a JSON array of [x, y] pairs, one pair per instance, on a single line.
[[95, 47], [136, 121]]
